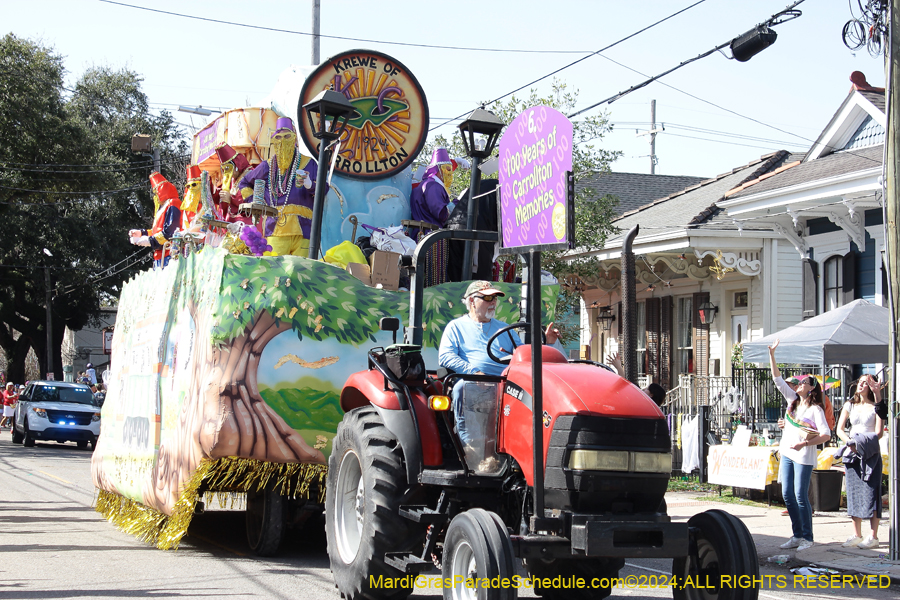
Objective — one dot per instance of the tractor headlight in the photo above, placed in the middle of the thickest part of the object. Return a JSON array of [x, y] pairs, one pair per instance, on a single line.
[[620, 460], [598, 460], [652, 462], [40, 412]]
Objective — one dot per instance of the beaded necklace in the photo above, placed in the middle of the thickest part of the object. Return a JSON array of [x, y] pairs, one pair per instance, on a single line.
[[282, 184]]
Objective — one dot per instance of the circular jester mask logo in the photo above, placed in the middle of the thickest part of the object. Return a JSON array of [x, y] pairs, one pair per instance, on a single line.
[[391, 121]]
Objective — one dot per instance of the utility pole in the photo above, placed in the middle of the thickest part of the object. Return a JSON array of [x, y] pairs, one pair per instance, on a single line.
[[653, 137], [652, 133], [316, 12], [49, 328], [892, 249]]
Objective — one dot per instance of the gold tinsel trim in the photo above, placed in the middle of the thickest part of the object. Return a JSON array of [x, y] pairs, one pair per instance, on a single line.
[[220, 477]]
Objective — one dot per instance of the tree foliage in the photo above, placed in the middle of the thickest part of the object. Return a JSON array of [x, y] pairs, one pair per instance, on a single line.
[[69, 183], [593, 213]]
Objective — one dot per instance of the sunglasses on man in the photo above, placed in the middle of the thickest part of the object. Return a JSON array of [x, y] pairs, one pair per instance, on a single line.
[[489, 298]]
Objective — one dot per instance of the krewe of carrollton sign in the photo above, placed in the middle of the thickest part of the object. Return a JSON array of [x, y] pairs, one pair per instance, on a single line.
[[391, 121], [536, 188]]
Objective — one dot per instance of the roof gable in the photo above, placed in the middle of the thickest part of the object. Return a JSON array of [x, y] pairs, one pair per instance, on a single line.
[[861, 104]]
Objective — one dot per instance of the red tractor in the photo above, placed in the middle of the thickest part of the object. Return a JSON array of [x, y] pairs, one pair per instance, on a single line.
[[404, 495]]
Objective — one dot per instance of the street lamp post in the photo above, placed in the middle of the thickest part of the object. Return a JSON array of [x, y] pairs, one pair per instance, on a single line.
[[49, 315], [487, 126], [328, 114]]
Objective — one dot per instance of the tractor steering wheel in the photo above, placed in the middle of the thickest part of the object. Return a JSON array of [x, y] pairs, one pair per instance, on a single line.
[[520, 325]]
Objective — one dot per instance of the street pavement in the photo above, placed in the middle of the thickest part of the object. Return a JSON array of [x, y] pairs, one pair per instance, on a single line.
[[53, 545]]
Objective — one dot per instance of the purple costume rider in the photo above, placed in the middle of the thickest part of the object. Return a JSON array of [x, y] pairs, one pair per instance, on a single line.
[[288, 233], [430, 199]]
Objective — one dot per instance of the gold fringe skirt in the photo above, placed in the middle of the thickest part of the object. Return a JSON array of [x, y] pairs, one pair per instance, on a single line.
[[219, 477]]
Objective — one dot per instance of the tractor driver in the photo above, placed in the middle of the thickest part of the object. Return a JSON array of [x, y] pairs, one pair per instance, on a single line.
[[463, 350]]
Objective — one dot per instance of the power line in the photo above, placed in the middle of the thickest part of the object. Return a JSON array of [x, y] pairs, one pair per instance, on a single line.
[[728, 110], [350, 39], [12, 164], [605, 48]]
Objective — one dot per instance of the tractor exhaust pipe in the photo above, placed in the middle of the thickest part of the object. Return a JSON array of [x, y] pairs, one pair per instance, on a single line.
[[629, 309]]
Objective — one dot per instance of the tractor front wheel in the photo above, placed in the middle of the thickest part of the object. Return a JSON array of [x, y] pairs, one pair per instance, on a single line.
[[724, 546], [478, 551], [366, 484]]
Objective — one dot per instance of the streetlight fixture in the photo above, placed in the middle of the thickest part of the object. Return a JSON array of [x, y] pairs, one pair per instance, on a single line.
[[707, 312], [487, 126], [197, 110], [49, 372], [328, 114], [606, 317]]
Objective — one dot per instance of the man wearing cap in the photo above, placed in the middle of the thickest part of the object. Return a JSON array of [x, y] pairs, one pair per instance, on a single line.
[[166, 221], [290, 187], [190, 204], [463, 347]]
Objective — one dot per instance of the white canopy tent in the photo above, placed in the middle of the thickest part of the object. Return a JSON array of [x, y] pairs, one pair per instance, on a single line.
[[856, 333]]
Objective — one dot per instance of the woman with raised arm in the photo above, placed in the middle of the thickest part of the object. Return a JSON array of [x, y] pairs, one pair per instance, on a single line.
[[803, 427]]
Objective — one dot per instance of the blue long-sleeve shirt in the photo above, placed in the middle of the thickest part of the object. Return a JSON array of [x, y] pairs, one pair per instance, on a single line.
[[464, 346]]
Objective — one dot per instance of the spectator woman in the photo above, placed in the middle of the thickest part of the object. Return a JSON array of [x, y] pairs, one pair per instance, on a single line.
[[10, 397], [863, 497], [798, 450]]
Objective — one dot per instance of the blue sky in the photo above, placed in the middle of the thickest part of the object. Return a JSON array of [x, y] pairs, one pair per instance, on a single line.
[[795, 85]]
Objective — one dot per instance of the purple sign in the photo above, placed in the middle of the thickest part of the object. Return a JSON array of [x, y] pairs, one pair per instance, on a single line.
[[207, 140], [535, 154]]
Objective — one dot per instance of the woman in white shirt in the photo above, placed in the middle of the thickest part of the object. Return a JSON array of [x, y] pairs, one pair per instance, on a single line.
[[863, 497], [798, 450]]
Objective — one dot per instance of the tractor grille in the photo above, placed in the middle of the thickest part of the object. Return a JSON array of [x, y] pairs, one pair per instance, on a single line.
[[604, 491], [69, 416]]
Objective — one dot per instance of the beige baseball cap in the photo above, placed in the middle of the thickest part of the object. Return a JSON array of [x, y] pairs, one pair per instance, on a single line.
[[484, 287]]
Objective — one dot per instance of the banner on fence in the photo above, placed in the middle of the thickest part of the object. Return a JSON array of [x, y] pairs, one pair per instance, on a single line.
[[741, 467]]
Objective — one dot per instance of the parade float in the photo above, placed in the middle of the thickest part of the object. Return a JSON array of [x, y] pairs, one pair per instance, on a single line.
[[227, 366]]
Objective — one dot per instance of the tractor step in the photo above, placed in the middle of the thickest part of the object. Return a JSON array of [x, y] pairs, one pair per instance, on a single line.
[[458, 479], [407, 563], [423, 514]]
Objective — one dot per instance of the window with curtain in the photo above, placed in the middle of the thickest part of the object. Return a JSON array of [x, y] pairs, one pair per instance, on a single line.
[[684, 339], [641, 320], [833, 282]]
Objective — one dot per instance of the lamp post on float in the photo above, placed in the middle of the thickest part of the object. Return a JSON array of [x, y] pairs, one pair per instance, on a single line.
[[328, 114], [487, 127]]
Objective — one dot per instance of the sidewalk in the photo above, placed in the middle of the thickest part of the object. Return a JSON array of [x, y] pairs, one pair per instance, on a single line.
[[770, 529]]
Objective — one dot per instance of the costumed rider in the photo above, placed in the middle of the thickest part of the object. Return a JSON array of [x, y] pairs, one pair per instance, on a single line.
[[166, 220], [430, 198], [463, 349], [234, 167], [190, 204], [290, 187]]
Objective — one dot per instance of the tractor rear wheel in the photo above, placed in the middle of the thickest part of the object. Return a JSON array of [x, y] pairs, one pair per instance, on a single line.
[[588, 569], [724, 547], [366, 484], [477, 549], [265, 519]]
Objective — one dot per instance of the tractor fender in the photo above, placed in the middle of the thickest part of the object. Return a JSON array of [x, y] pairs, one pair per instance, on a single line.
[[367, 388]]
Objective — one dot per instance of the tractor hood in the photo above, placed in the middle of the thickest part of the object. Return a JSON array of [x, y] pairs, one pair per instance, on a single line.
[[573, 388]]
